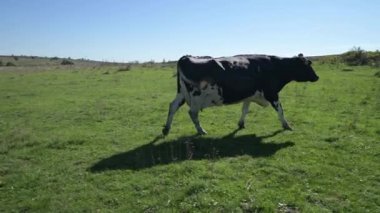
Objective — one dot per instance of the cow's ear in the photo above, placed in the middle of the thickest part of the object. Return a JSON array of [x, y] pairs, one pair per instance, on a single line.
[[305, 60], [218, 64]]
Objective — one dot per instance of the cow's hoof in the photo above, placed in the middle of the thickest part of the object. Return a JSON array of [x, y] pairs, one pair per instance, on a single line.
[[287, 127], [241, 125], [165, 131], [202, 132]]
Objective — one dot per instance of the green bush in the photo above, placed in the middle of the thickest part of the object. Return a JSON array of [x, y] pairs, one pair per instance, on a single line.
[[1, 63], [374, 58], [66, 62], [333, 59], [10, 64], [126, 68], [356, 57], [377, 74]]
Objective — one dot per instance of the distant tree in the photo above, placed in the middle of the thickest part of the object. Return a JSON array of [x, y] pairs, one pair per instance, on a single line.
[[1, 63]]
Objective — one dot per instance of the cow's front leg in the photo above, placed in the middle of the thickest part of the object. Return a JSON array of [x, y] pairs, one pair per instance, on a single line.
[[244, 112], [280, 112], [194, 117], [173, 107]]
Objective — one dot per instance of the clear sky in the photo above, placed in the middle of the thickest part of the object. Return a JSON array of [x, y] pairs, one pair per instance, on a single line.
[[122, 30]]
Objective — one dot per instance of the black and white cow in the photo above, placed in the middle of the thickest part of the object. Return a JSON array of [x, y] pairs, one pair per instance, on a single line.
[[205, 81]]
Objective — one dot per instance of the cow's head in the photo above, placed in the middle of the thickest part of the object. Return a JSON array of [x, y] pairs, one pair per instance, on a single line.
[[302, 69]]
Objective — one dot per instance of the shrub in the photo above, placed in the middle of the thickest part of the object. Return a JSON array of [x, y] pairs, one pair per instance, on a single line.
[[128, 67], [355, 57], [377, 74], [10, 64], [376, 63], [329, 59], [1, 63], [66, 62], [374, 58]]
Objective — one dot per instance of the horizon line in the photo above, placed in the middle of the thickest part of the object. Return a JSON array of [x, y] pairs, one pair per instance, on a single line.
[[147, 61]]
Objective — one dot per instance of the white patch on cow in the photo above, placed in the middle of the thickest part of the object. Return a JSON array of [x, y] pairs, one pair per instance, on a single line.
[[219, 64], [258, 98], [208, 96], [203, 84], [244, 112], [202, 96]]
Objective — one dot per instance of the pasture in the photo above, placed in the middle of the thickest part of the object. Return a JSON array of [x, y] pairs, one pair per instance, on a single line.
[[88, 139]]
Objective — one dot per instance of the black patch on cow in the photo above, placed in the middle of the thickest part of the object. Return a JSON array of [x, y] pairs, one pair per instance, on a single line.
[[188, 86], [220, 91], [196, 93]]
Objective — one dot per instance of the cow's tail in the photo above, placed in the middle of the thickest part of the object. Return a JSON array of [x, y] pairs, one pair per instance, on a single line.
[[179, 72], [182, 80]]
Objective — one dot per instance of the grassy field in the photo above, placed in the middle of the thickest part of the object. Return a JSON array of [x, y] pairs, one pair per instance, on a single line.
[[87, 139]]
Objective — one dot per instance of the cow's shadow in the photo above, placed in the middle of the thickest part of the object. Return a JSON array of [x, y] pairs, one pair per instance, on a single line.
[[190, 148]]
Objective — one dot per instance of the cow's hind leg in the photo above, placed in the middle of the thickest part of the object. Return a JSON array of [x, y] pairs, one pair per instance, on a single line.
[[244, 112], [194, 117], [173, 107]]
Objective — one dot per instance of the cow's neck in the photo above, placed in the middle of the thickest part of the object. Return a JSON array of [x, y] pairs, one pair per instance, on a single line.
[[283, 74], [281, 84]]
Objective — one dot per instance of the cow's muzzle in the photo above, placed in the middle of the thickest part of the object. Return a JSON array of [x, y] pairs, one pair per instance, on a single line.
[[314, 79]]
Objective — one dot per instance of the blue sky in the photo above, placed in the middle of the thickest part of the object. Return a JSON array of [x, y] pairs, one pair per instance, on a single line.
[[122, 30]]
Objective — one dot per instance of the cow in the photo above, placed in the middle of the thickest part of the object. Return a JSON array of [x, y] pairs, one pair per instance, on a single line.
[[205, 81]]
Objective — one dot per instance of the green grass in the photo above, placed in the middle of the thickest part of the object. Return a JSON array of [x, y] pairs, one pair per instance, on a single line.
[[87, 140]]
